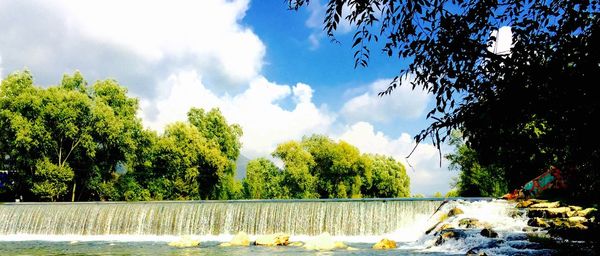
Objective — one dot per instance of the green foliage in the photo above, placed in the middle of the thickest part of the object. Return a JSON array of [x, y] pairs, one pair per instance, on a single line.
[[389, 178], [264, 180], [475, 179], [51, 181], [514, 106]]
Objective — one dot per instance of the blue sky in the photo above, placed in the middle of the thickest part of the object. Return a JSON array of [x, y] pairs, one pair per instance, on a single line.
[[271, 70]]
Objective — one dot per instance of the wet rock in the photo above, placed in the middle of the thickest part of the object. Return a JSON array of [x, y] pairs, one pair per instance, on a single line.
[[432, 228], [538, 222], [278, 239], [225, 244], [469, 223], [351, 249], [577, 220], [488, 232], [323, 242], [525, 204], [560, 212], [516, 213], [575, 208], [448, 235], [185, 241], [240, 239], [385, 244], [545, 205], [589, 212], [455, 211], [475, 252], [530, 229]]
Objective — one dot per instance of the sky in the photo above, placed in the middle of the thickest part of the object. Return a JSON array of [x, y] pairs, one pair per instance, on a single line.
[[269, 69]]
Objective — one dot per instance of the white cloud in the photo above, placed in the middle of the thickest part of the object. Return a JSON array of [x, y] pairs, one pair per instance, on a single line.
[[264, 121], [140, 42], [426, 175], [402, 104]]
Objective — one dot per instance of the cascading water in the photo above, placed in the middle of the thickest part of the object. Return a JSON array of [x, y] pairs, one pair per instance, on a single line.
[[358, 222], [296, 217]]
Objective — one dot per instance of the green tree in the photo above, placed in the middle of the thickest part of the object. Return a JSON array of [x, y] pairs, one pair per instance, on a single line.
[[389, 178], [75, 127], [264, 180], [474, 179], [51, 181], [297, 176], [450, 51]]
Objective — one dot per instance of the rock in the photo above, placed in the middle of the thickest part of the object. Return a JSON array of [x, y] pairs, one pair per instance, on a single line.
[[240, 239], [449, 234], [545, 205], [469, 223], [577, 220], [432, 228], [475, 252], [225, 244], [538, 222], [575, 208], [351, 249], [488, 232], [340, 245], [385, 244], [185, 241], [529, 229], [455, 211], [525, 204], [323, 242], [296, 244], [273, 240], [588, 212], [516, 213], [560, 212]]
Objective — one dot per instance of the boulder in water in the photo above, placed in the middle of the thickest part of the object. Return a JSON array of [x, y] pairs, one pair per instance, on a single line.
[[488, 232], [448, 234], [240, 239], [185, 241], [225, 244], [525, 204], [469, 223], [385, 244], [278, 239], [323, 242], [455, 211], [538, 222]]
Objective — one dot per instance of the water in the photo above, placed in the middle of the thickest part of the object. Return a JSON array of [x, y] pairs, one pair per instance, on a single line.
[[145, 228]]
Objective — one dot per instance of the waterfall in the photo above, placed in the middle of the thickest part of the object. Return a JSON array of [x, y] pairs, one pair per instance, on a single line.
[[347, 217]]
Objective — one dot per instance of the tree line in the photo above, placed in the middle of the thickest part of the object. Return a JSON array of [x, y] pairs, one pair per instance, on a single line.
[[80, 142]]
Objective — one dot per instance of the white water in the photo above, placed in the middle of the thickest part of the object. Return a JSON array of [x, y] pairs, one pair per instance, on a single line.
[[215, 220], [353, 221]]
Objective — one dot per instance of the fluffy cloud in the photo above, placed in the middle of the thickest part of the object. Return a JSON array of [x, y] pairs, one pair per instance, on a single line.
[[258, 110], [426, 175], [403, 104], [139, 42]]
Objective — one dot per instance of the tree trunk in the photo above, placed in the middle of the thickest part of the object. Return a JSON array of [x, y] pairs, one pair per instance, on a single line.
[[73, 194]]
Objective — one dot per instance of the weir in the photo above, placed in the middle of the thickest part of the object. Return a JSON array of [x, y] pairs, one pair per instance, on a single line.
[[343, 217]]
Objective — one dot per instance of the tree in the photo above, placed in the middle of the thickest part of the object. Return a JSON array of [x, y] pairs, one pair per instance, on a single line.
[[51, 181], [450, 46], [474, 179], [298, 163], [264, 180], [389, 178], [77, 128]]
